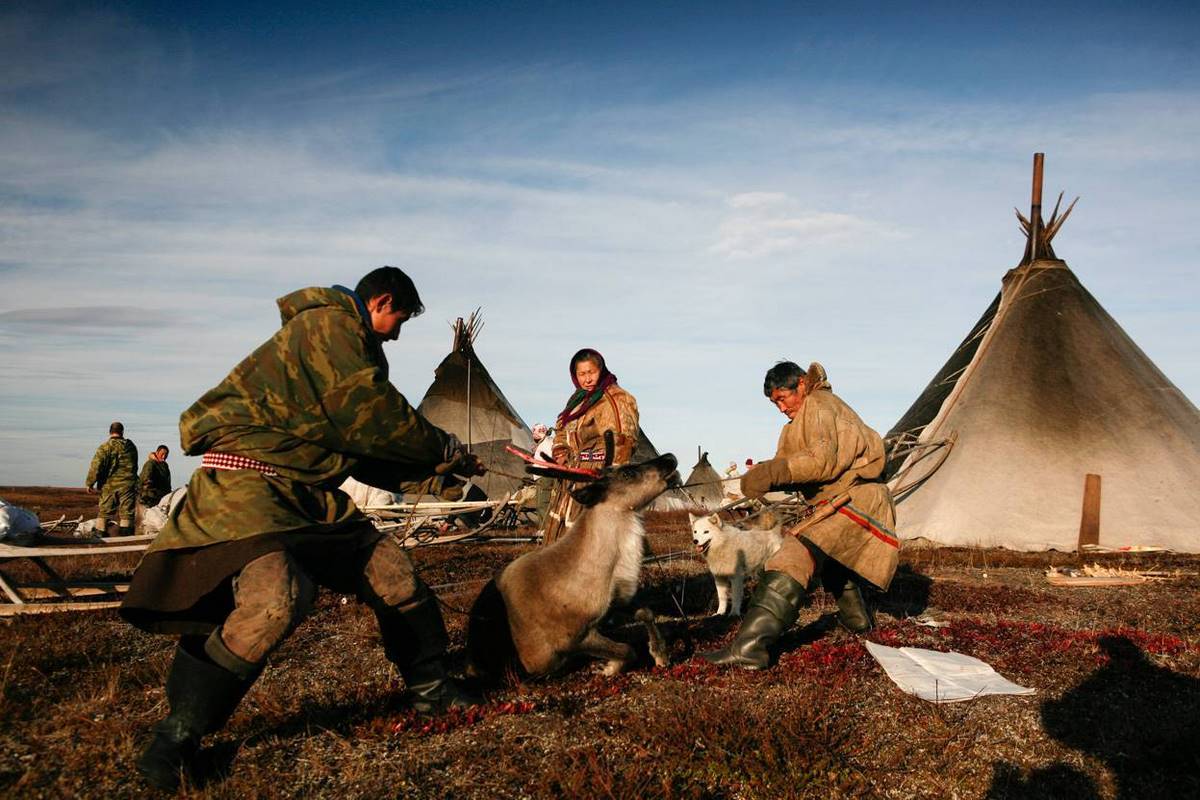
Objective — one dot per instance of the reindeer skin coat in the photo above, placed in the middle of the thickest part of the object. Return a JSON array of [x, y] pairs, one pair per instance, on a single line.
[[617, 411], [827, 449], [583, 441]]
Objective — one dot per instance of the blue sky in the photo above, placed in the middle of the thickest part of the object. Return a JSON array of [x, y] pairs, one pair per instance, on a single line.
[[697, 190]]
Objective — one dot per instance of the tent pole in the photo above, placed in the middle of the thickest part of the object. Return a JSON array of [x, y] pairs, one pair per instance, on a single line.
[[1035, 207]]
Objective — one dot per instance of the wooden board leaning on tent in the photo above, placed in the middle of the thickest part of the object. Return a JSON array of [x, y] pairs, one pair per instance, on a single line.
[[57, 593]]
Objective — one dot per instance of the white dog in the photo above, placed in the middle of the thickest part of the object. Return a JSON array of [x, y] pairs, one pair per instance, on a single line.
[[732, 554]]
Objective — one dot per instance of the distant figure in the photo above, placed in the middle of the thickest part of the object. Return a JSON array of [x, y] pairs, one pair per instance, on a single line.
[[114, 475], [155, 481], [597, 428], [543, 439]]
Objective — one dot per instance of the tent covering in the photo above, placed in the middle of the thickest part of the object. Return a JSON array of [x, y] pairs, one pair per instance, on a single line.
[[704, 485], [672, 499], [1045, 389], [464, 400]]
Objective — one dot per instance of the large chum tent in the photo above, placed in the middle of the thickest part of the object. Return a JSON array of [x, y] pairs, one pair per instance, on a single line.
[[464, 400], [1045, 389]]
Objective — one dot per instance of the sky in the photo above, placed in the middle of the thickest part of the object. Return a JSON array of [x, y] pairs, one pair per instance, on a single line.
[[697, 190]]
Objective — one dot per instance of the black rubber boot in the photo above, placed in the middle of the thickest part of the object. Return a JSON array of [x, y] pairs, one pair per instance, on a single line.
[[773, 609], [854, 613], [201, 696], [125, 530], [415, 640]]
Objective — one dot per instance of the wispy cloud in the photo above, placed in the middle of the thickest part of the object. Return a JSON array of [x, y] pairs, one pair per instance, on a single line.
[[772, 223], [82, 320]]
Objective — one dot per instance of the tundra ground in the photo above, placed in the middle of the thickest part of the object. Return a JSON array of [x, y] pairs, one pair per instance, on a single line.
[[1116, 714]]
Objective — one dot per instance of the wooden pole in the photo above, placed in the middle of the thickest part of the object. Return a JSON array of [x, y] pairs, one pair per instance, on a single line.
[[1089, 521], [1035, 207]]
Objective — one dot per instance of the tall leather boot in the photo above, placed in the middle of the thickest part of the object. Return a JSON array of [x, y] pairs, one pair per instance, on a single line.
[[111, 529], [773, 609], [415, 640], [854, 613], [201, 696]]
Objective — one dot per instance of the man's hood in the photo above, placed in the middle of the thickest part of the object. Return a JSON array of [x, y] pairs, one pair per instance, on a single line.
[[315, 297]]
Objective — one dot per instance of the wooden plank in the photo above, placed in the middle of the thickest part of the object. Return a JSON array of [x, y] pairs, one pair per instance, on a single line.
[[1089, 520], [472, 505], [10, 591], [73, 590], [11, 551], [13, 609], [141, 537]]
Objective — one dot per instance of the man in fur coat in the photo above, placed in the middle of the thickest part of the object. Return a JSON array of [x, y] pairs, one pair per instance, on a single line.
[[824, 451], [264, 523]]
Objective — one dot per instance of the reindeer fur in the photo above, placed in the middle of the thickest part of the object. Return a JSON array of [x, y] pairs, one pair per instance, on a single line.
[[553, 598]]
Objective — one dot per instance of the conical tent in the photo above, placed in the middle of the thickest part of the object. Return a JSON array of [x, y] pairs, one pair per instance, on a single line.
[[704, 485], [464, 400], [669, 500], [1045, 389]]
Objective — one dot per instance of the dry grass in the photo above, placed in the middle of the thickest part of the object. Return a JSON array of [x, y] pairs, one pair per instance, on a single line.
[[1117, 712]]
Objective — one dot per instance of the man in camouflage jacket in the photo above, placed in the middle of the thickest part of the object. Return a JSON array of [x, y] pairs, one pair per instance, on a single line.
[[113, 474], [155, 481], [827, 453], [263, 522]]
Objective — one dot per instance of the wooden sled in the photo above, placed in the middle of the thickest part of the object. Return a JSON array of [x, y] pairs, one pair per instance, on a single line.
[[57, 593], [415, 524]]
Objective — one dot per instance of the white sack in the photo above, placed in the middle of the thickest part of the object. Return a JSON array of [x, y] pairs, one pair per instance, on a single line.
[[18, 525], [155, 518], [941, 677], [364, 495]]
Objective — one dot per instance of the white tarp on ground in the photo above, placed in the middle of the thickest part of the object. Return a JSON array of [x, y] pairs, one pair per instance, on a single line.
[[17, 525], [941, 677]]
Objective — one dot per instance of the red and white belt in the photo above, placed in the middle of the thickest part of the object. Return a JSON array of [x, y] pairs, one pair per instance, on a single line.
[[212, 460]]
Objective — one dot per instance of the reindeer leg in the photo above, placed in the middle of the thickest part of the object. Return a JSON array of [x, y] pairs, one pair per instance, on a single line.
[[657, 645], [618, 654]]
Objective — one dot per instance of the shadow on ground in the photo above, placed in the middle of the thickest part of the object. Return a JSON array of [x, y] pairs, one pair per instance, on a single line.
[[1142, 721]]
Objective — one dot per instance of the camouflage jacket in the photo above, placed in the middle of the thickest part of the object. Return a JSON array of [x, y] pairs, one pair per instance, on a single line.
[[827, 447], [114, 466], [617, 411], [314, 403], [155, 481]]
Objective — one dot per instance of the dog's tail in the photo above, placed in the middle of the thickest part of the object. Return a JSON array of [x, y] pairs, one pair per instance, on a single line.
[[490, 648]]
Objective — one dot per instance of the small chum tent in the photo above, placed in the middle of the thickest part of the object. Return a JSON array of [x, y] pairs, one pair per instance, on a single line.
[[464, 400], [704, 485], [669, 500], [1045, 389]]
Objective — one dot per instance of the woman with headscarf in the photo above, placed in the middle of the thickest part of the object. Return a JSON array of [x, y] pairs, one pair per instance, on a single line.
[[597, 428]]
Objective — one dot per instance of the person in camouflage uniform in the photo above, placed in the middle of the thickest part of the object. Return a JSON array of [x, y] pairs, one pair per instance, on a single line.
[[825, 451], [113, 474], [263, 522], [155, 481]]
